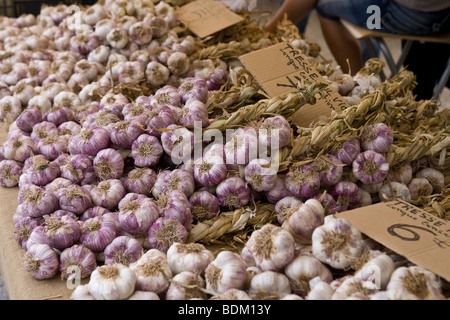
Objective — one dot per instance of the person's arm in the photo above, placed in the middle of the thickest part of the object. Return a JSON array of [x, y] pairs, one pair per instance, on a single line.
[[296, 10]]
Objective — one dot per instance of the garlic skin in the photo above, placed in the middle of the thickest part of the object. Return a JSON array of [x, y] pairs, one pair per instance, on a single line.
[[192, 257], [337, 242], [269, 285], [149, 270], [271, 247], [302, 270], [415, 283], [112, 282], [179, 292], [226, 272]]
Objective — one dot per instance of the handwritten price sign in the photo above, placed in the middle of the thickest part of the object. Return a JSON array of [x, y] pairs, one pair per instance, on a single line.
[[419, 236], [206, 17], [279, 69]]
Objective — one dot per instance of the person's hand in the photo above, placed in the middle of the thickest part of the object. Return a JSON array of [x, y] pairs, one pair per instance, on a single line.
[[296, 10]]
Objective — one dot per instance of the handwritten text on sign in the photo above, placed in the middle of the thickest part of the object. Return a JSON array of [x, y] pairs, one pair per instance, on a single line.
[[416, 234], [280, 68], [206, 17]]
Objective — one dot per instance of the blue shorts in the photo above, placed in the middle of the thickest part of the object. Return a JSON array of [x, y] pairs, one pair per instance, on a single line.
[[394, 18]]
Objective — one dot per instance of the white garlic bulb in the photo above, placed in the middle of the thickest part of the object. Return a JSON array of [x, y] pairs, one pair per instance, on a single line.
[[320, 290], [112, 282], [226, 272], [152, 271], [269, 285], [337, 243], [415, 283], [271, 247], [251, 272], [186, 285], [232, 294], [304, 268], [81, 292], [303, 221], [143, 295], [354, 287], [378, 269], [193, 257], [292, 297]]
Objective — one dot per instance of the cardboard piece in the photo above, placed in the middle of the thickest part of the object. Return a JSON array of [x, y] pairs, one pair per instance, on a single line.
[[419, 236], [279, 68], [206, 17]]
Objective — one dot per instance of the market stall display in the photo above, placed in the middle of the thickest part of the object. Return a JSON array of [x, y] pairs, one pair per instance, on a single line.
[[109, 115]]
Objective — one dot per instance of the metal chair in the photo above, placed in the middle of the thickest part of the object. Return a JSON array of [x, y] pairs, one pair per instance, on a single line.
[[374, 38]]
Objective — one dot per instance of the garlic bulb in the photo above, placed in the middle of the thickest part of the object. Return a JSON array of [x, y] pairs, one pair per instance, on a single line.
[[143, 295], [394, 190], [269, 285], [303, 221], [354, 287], [303, 269], [378, 268], [193, 257], [81, 292], [271, 247], [186, 285], [226, 272], [337, 242], [112, 282], [152, 271], [232, 294], [435, 177], [415, 283], [320, 290]]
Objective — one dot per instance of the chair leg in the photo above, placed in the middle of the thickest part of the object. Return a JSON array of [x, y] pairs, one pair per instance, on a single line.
[[387, 54], [442, 81], [405, 51]]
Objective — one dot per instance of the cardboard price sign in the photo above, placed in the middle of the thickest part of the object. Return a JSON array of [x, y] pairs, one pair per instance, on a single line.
[[280, 67], [417, 235], [206, 17]]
